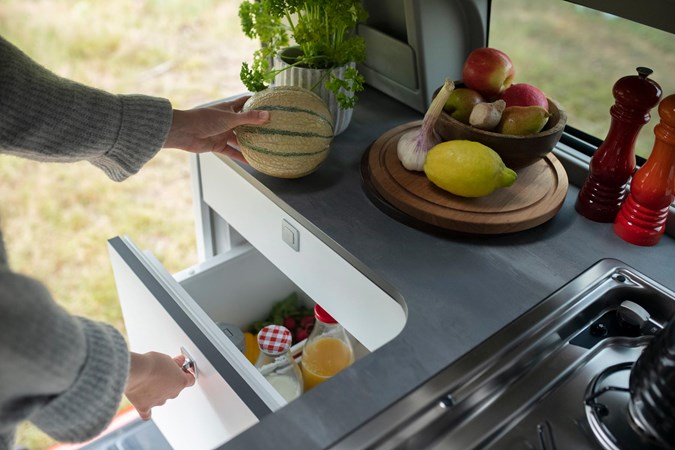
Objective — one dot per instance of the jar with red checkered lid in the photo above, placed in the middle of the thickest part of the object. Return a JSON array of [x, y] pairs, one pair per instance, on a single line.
[[277, 364]]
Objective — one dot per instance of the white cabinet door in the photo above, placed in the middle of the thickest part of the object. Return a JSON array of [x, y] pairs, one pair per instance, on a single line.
[[229, 395]]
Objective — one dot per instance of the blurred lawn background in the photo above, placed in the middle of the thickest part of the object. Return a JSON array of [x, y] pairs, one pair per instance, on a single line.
[[576, 54], [57, 218]]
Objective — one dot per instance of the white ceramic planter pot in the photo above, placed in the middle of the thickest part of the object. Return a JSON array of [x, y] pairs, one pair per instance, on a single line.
[[314, 80]]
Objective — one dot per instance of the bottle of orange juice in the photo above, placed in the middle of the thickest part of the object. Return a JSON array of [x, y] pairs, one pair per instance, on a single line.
[[327, 351]]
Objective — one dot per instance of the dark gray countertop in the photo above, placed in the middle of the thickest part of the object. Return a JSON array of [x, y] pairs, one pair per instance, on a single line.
[[459, 289]]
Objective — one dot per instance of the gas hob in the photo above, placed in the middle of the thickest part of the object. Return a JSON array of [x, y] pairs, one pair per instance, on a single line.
[[555, 378]]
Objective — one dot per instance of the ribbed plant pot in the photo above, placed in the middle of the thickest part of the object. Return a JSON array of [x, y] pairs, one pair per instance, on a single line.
[[314, 80]]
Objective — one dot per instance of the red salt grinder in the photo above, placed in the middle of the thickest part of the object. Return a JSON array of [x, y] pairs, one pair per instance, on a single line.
[[642, 218], [613, 162]]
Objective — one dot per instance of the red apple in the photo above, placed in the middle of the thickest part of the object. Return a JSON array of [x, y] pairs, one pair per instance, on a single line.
[[523, 94], [488, 71], [460, 103]]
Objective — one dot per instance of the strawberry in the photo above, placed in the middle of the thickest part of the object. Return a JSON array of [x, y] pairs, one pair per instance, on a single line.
[[290, 323], [301, 334]]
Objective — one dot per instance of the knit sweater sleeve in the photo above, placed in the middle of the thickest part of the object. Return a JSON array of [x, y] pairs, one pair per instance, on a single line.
[[65, 374], [49, 118]]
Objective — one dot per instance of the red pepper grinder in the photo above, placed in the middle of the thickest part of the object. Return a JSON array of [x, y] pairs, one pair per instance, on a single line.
[[613, 162], [642, 218]]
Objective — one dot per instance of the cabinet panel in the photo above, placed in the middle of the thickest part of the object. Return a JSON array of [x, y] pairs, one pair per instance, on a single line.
[[345, 292]]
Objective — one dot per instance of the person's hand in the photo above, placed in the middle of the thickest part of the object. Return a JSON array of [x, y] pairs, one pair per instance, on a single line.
[[209, 129], [155, 378]]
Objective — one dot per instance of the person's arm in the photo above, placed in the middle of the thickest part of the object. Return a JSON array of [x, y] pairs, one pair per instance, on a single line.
[[49, 118], [65, 374]]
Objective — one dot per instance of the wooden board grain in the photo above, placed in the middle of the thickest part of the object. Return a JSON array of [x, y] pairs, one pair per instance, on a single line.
[[535, 197]]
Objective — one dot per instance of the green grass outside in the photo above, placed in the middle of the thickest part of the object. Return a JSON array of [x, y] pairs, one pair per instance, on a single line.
[[576, 55], [57, 218]]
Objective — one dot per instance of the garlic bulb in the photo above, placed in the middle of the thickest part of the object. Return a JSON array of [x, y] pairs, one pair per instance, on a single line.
[[410, 153], [486, 116], [413, 146]]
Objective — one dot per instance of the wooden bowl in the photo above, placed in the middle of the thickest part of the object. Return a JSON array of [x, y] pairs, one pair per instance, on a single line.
[[515, 151]]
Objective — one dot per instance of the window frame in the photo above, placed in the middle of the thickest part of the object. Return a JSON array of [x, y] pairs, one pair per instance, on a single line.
[[653, 13], [576, 145]]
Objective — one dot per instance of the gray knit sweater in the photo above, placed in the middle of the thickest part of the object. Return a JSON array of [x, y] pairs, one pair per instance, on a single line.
[[63, 373]]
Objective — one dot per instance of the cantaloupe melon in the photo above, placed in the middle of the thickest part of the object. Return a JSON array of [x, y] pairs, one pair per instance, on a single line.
[[297, 137]]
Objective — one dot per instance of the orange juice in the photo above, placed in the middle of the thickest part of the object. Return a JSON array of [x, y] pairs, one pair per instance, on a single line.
[[324, 358]]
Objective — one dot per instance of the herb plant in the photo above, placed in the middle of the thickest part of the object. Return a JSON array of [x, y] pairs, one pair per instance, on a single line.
[[322, 29]]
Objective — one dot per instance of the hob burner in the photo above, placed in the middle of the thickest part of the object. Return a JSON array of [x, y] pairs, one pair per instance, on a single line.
[[607, 410]]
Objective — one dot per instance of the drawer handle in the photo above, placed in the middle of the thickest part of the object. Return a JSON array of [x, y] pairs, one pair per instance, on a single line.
[[189, 364]]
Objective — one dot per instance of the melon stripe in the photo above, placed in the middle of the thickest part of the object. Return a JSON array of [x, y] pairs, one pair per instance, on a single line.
[[293, 109], [270, 152], [274, 131]]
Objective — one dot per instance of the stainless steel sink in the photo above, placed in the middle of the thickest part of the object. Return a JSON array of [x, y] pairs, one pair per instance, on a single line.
[[527, 387]]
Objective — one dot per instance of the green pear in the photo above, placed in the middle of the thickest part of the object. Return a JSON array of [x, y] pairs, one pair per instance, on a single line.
[[523, 120], [460, 103]]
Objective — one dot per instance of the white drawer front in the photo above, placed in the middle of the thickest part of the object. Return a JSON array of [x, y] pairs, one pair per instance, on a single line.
[[348, 295], [159, 317]]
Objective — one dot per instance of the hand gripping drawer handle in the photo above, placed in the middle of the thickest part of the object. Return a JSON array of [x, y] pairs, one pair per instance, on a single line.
[[189, 364]]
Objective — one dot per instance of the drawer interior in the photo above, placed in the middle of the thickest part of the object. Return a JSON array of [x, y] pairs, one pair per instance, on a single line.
[[240, 288]]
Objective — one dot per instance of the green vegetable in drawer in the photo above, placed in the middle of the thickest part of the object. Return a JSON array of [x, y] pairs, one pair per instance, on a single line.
[[292, 314]]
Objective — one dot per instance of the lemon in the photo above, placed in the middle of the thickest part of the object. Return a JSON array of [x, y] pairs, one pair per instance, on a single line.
[[467, 168]]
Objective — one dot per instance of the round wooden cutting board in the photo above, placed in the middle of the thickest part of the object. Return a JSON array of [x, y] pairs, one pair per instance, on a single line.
[[535, 197]]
